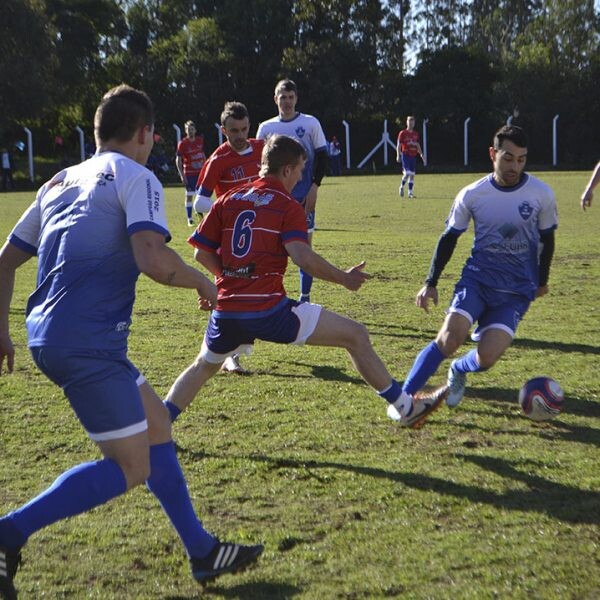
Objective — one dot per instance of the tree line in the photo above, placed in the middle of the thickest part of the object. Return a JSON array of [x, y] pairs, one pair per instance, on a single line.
[[362, 61]]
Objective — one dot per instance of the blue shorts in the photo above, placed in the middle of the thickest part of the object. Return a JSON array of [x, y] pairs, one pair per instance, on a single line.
[[190, 182], [289, 322], [101, 386], [490, 308], [409, 164]]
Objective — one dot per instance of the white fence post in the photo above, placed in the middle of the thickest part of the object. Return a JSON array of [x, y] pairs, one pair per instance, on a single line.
[[347, 128], [466, 141], [30, 153], [81, 143], [554, 141]]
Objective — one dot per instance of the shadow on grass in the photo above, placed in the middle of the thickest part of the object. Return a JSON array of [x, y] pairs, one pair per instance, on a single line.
[[250, 591], [556, 500], [326, 373], [556, 346]]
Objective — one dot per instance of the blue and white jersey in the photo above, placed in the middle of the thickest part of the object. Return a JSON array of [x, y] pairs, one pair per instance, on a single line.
[[79, 227], [508, 222], [308, 131]]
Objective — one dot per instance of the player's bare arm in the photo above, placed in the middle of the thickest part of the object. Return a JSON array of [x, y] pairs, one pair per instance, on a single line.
[[165, 266], [314, 264], [210, 261], [11, 258], [426, 293]]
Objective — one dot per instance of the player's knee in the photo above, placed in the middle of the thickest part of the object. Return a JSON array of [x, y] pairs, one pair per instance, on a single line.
[[448, 342], [359, 336], [135, 469], [487, 358]]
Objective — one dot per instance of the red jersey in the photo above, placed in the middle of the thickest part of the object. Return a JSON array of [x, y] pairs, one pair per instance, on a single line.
[[192, 153], [226, 168], [249, 227], [408, 141]]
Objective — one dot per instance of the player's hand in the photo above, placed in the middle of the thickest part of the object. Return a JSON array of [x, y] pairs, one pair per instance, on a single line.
[[426, 293], [356, 277], [586, 199], [7, 351], [542, 291], [311, 199], [424, 161]]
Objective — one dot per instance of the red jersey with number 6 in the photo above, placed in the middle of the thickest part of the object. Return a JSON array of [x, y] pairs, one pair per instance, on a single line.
[[249, 227]]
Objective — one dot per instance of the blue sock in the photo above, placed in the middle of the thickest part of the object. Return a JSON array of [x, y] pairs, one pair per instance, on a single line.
[[403, 182], [392, 392], [188, 210], [174, 410], [77, 490], [168, 484], [411, 184], [306, 281], [425, 365], [467, 363]]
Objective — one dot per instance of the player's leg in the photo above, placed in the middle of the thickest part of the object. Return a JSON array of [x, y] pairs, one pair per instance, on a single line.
[[223, 337], [188, 384], [495, 332], [103, 392], [306, 280], [411, 185], [190, 192], [337, 331]]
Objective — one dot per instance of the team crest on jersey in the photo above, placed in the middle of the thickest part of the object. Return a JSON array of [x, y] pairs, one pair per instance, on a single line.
[[300, 131], [508, 230], [525, 210]]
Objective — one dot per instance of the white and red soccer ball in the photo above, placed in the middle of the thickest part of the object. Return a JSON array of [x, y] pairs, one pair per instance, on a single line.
[[541, 398]]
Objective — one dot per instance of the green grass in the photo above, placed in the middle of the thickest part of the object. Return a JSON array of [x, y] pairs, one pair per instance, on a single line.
[[480, 503]]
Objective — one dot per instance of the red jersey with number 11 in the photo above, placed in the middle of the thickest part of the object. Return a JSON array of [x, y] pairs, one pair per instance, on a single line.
[[249, 227]]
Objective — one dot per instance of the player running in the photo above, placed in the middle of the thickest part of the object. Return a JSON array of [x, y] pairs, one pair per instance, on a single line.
[[189, 160], [513, 213], [407, 150]]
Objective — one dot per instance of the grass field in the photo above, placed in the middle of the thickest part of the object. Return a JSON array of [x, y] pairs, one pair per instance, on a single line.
[[481, 503]]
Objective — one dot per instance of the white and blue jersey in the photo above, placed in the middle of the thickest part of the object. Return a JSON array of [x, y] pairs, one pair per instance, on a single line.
[[79, 227], [508, 223], [308, 131]]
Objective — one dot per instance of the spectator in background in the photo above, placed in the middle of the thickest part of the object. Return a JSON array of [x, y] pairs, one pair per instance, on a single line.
[[335, 156], [7, 169]]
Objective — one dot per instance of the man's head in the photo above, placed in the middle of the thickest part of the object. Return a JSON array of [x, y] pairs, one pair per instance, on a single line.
[[235, 125], [286, 97], [410, 122], [190, 129], [125, 115], [283, 157], [509, 155]]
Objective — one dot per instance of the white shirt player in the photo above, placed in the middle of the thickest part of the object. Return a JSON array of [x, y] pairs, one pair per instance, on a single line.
[[79, 226], [508, 222], [308, 131]]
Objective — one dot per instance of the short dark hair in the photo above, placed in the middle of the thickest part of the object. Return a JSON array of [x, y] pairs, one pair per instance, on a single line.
[[122, 111], [235, 110], [286, 84], [513, 134], [280, 151]]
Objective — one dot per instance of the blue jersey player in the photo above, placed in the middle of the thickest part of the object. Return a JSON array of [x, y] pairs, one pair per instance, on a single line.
[[94, 227], [308, 131], [514, 216]]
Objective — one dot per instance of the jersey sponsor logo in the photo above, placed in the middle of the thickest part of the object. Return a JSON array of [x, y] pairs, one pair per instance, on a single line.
[[300, 131], [244, 272], [103, 178], [122, 326], [508, 230], [256, 198], [525, 210]]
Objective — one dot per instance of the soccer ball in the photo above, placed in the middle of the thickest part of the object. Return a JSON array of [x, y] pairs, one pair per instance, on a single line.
[[541, 398]]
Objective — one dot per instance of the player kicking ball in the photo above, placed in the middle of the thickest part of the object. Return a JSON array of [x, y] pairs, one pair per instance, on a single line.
[[245, 241]]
